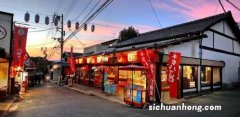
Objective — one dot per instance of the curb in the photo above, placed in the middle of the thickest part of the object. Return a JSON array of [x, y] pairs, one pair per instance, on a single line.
[[81, 91], [91, 93], [6, 109]]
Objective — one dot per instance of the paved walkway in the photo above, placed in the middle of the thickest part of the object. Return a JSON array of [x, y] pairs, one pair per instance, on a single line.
[[95, 91], [4, 106], [99, 93]]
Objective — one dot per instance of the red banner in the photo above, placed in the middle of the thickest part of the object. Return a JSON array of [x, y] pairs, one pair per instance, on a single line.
[[71, 62], [145, 59], [172, 72], [19, 46]]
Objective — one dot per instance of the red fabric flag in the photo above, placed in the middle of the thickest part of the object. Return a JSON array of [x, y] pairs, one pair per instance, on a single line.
[[145, 59], [172, 72], [71, 62], [19, 48]]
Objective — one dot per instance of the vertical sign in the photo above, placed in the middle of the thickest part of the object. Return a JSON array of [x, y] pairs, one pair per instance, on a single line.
[[172, 72], [6, 21], [19, 46], [146, 61], [71, 62]]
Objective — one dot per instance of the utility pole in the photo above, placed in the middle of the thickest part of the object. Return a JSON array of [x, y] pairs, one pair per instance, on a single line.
[[61, 42]]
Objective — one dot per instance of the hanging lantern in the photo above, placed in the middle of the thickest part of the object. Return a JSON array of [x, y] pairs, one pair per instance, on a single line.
[[55, 21], [93, 28], [69, 24], [46, 20], [37, 18], [85, 27], [27, 17], [77, 25]]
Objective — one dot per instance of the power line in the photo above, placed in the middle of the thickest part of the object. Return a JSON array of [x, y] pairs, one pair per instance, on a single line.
[[155, 13], [233, 5], [24, 10], [40, 30], [89, 19], [83, 10], [222, 5], [216, 8], [90, 11], [72, 5], [40, 44]]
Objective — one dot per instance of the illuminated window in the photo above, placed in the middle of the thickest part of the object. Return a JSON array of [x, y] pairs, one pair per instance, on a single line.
[[216, 76], [190, 75], [206, 76]]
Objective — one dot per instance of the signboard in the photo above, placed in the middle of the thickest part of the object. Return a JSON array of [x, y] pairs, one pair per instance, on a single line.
[[3, 74], [172, 72], [144, 57], [6, 21], [71, 63], [19, 46], [70, 81]]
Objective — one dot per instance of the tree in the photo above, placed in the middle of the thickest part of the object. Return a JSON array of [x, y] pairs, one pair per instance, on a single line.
[[41, 64], [129, 33]]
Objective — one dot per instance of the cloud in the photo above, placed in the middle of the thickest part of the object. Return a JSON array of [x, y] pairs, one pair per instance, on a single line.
[[197, 9]]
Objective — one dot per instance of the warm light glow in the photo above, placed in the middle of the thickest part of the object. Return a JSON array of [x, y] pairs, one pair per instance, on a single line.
[[55, 66], [99, 59], [105, 59], [18, 68], [80, 60], [88, 59], [120, 59], [132, 56], [76, 61]]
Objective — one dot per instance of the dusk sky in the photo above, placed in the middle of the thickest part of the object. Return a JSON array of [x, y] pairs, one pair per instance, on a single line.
[[118, 15]]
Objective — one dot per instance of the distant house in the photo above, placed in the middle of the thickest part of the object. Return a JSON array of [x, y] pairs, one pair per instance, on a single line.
[[55, 66], [100, 47]]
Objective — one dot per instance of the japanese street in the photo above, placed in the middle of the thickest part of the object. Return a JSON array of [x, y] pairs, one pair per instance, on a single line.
[[51, 100]]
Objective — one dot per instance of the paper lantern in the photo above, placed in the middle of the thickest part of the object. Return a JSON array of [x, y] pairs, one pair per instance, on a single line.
[[46, 20], [69, 24], [27, 17], [37, 18], [77, 25], [92, 28]]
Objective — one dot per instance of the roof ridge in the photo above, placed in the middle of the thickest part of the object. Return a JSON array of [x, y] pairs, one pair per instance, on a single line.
[[190, 22]]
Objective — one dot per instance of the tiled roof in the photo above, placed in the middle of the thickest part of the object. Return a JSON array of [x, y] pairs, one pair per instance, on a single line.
[[189, 28], [74, 54]]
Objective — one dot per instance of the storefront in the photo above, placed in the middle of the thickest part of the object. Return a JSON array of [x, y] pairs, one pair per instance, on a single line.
[[203, 65], [6, 24]]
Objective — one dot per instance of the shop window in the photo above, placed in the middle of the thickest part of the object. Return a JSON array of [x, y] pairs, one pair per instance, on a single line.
[[135, 87], [190, 75], [206, 76], [165, 85], [216, 76], [98, 72]]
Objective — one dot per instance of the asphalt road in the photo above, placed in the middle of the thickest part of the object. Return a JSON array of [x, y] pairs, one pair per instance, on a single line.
[[51, 100]]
